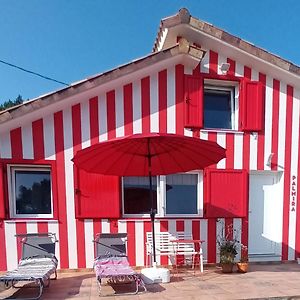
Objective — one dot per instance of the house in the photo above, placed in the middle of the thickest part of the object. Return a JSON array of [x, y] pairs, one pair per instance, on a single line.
[[198, 81]]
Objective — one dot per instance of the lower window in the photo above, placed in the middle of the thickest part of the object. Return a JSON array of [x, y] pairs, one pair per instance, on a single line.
[[30, 192]]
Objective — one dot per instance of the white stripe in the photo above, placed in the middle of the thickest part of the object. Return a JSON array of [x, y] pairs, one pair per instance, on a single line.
[[105, 226], [238, 151], [139, 243], [154, 114], [253, 151], [187, 132], [171, 116], [122, 226], [89, 245], [137, 107], [204, 65], [294, 172], [220, 231], [254, 75], [11, 245], [119, 112], [85, 124], [188, 227], [53, 228], [237, 227], [49, 142], [204, 135], [172, 230], [31, 227], [102, 113], [239, 70], [157, 229], [27, 142], [70, 213], [200, 193], [268, 121], [5, 147], [221, 60], [204, 237], [221, 140], [282, 125]]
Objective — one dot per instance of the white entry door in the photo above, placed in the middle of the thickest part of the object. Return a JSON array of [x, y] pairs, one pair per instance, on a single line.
[[265, 216]]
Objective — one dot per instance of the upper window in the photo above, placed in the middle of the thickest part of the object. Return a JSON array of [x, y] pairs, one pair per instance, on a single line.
[[220, 106], [30, 192]]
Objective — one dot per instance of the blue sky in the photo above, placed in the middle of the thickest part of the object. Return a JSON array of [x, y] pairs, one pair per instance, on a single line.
[[72, 40]]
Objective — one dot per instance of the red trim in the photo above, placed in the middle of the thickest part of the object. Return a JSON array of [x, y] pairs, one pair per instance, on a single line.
[[211, 243], [179, 98], [128, 109], [261, 133], [162, 100], [229, 151], [231, 71], [147, 228], [16, 143], [131, 242], [164, 227], [94, 120], [76, 127], [275, 124], [145, 99], [38, 139], [61, 189], [213, 62], [287, 173], [111, 114], [20, 229]]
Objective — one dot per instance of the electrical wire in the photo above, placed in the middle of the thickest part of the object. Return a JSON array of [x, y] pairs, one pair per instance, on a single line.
[[34, 73]]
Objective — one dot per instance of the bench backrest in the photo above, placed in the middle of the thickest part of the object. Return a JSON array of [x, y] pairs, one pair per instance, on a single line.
[[165, 246], [107, 244]]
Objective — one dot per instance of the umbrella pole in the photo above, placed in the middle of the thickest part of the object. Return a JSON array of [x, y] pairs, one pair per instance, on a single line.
[[152, 210]]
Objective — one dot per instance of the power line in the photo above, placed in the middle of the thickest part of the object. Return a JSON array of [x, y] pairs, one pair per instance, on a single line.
[[34, 73]]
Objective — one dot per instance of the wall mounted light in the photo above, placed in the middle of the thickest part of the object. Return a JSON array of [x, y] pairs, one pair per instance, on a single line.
[[225, 67]]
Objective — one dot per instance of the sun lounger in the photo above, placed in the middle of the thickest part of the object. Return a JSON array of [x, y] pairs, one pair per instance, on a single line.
[[38, 262], [111, 261]]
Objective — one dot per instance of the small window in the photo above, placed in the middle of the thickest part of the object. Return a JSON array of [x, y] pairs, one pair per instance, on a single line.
[[220, 106], [181, 194], [30, 192], [136, 195]]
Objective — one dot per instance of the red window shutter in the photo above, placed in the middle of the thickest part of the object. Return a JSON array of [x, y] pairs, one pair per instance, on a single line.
[[226, 193], [252, 106], [2, 198], [193, 101], [97, 196]]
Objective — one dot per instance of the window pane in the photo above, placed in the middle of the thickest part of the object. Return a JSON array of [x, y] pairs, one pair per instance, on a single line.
[[217, 109], [181, 193], [33, 192], [137, 195]]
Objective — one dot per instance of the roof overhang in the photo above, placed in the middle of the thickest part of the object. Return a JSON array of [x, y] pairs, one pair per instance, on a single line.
[[182, 53], [213, 38]]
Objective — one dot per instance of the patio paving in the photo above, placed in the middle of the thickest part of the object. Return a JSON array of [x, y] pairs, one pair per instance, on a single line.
[[263, 281]]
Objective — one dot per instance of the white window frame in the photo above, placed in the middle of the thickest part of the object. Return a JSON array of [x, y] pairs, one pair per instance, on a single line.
[[233, 88], [11, 169], [162, 200]]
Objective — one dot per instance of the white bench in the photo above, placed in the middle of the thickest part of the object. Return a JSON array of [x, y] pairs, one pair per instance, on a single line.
[[170, 245]]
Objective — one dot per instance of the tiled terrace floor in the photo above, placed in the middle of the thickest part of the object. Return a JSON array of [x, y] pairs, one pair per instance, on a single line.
[[278, 281]]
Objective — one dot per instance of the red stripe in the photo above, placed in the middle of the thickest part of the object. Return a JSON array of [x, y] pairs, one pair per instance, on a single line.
[[261, 134], [97, 226], [229, 151], [20, 229], [212, 136], [145, 93], [131, 242], [196, 231], [197, 70], [38, 139], [16, 143], [287, 172], [180, 227], [231, 70], [211, 243], [76, 127], [229, 227], [147, 228], [61, 189], [179, 98], [3, 264], [213, 62], [164, 227], [128, 109], [113, 225], [111, 114], [275, 123], [162, 100], [94, 120], [42, 227]]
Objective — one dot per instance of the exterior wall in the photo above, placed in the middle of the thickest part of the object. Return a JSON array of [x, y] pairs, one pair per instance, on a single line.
[[152, 104]]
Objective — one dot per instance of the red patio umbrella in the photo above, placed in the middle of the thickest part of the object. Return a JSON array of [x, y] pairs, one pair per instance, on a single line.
[[147, 155]]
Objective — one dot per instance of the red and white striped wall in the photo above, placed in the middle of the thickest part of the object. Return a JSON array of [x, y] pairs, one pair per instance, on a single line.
[[152, 103]]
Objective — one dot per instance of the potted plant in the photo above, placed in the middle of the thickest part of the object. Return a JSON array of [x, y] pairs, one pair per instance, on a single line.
[[242, 265], [228, 246]]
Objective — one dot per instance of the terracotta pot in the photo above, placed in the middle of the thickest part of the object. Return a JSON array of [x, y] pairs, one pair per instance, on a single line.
[[227, 268], [242, 267]]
